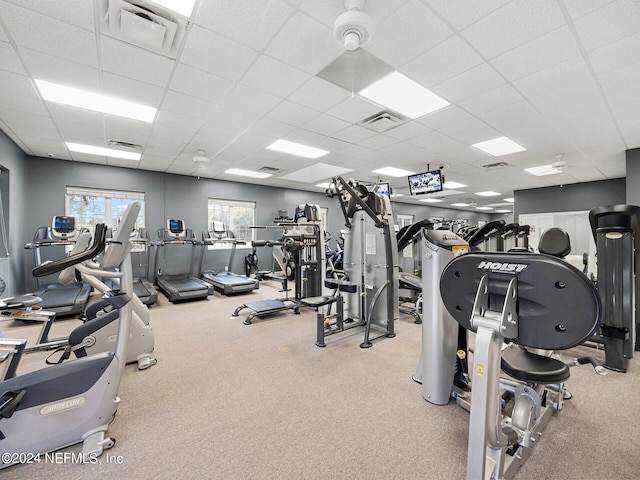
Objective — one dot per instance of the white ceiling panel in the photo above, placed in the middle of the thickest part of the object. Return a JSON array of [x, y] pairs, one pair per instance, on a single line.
[[246, 21], [326, 125], [305, 43], [79, 14], [316, 172], [616, 55], [354, 109], [25, 104], [512, 25], [196, 83], [354, 133], [406, 33], [33, 30], [442, 62], [579, 8], [541, 53], [609, 24], [560, 76], [58, 70], [216, 54], [10, 60], [494, 99], [187, 105], [249, 100], [469, 84], [274, 77], [460, 15], [129, 61], [16, 84], [319, 94], [132, 90]]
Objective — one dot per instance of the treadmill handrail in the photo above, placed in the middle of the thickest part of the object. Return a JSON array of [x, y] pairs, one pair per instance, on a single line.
[[99, 239]]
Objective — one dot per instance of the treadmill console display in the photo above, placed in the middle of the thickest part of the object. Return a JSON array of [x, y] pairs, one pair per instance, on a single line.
[[175, 228], [63, 226]]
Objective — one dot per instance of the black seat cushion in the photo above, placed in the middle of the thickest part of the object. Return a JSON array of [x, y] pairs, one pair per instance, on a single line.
[[316, 302], [555, 241], [529, 367]]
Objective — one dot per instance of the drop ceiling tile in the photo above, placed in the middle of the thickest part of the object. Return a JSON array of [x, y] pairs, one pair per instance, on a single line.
[[407, 32], [473, 82], [46, 132], [514, 24], [187, 105], [442, 62], [408, 130], [354, 109], [79, 14], [445, 116], [80, 132], [32, 30], [572, 72], [539, 54], [319, 94], [194, 82], [622, 85], [43, 144], [439, 143], [460, 15], [216, 54], [325, 125], [470, 131], [304, 43], [317, 172], [616, 55], [378, 141], [249, 100], [173, 133], [132, 90], [132, 62], [13, 117], [163, 147], [354, 134], [579, 8], [59, 152], [493, 99], [168, 119], [608, 24], [251, 23], [30, 104], [10, 60], [274, 77], [292, 114], [273, 128], [17, 84], [58, 70]]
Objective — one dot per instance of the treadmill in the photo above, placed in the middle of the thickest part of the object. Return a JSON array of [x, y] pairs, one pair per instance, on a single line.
[[226, 282], [142, 287], [179, 286], [68, 299]]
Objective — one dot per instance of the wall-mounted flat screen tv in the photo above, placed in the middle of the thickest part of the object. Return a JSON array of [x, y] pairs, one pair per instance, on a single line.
[[427, 182]]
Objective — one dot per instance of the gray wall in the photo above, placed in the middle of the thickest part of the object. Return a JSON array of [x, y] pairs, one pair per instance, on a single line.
[[569, 198], [633, 176], [178, 196], [14, 163]]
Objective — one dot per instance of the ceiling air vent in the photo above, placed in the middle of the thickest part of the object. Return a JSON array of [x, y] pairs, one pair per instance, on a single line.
[[383, 121], [490, 166], [127, 147], [143, 25], [271, 170]]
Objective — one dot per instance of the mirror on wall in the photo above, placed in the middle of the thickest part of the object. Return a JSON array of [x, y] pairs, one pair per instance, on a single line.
[[4, 233]]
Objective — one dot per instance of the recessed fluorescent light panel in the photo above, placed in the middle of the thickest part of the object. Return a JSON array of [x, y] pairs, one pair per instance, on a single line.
[[488, 193], [431, 200], [448, 184], [499, 146], [503, 211], [393, 172], [73, 97], [247, 173], [324, 185], [543, 170], [511, 200], [183, 7], [297, 149], [400, 93], [104, 152], [459, 204], [484, 208]]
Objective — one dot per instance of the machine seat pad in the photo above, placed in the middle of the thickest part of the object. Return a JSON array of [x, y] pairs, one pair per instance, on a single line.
[[343, 285], [529, 367], [411, 281], [316, 302]]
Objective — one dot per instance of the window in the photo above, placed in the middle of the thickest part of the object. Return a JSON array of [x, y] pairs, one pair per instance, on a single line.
[[237, 217], [91, 206]]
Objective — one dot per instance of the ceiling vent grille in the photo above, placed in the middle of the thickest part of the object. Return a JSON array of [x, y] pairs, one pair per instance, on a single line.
[[143, 25], [383, 121], [490, 166], [269, 170], [127, 147]]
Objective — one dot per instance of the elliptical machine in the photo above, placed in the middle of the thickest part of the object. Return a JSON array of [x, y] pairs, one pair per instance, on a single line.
[[72, 402]]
